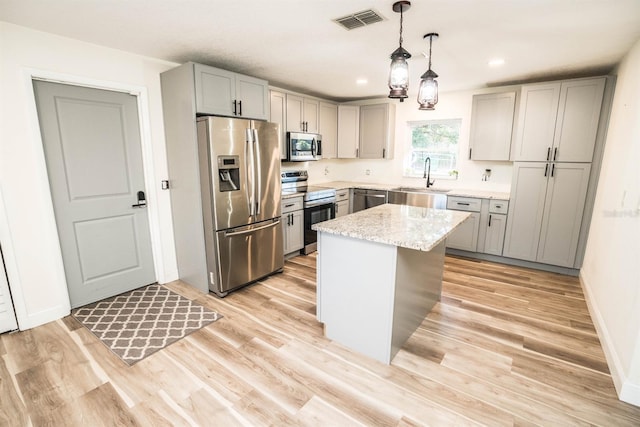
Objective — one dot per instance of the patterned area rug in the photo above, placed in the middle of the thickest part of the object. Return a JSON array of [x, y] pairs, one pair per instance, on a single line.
[[139, 323]]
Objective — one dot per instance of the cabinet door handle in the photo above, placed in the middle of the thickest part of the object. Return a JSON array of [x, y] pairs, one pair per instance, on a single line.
[[555, 153], [548, 153], [469, 153], [553, 168], [357, 152], [240, 104], [289, 205], [384, 150], [546, 169], [235, 108], [489, 220], [291, 219]]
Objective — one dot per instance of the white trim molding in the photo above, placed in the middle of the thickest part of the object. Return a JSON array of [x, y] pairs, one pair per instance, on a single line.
[[627, 390]]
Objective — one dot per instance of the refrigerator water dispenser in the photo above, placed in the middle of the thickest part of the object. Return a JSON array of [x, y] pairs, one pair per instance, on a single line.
[[228, 173]]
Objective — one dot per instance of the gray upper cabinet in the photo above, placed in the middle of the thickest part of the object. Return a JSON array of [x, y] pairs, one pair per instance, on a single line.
[[578, 117], [376, 131], [348, 131], [492, 117], [278, 114], [224, 93], [302, 114], [328, 128], [558, 121]]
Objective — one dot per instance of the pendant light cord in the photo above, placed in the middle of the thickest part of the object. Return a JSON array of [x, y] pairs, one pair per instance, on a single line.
[[430, 40], [401, 9]]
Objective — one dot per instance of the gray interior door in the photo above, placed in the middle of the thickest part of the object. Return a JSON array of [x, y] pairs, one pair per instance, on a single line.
[[93, 152]]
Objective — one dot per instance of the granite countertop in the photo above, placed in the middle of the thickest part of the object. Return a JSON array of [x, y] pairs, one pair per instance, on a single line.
[[480, 194], [398, 225], [291, 195]]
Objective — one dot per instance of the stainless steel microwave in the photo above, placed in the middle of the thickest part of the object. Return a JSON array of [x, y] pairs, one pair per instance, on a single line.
[[303, 147]]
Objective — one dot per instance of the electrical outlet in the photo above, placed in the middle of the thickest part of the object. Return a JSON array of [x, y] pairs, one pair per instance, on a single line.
[[367, 172], [326, 170]]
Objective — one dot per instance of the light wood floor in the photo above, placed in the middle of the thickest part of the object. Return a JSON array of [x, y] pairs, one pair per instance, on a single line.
[[506, 346]]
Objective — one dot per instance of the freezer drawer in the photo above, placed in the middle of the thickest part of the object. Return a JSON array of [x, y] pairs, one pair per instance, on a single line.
[[246, 254]]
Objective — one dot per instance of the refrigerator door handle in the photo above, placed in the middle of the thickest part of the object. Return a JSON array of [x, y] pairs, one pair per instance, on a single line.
[[250, 167], [258, 172], [251, 230]]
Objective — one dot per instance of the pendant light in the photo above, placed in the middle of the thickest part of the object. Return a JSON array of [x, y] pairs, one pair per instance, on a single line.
[[399, 72], [428, 92]]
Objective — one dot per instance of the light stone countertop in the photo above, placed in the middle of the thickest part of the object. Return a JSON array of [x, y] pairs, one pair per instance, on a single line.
[[398, 225], [480, 194], [291, 195]]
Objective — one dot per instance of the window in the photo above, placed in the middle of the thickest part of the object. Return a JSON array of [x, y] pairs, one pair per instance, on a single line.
[[436, 139]]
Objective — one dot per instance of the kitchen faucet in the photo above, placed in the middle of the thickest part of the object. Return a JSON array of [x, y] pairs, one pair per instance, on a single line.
[[427, 172]]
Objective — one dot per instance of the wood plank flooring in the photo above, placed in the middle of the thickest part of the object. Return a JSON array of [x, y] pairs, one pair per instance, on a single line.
[[506, 346]]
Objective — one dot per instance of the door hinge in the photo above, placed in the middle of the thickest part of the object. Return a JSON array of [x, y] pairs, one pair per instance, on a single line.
[[164, 184]]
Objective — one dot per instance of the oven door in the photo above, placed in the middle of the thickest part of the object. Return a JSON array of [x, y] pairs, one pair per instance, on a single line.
[[313, 215]]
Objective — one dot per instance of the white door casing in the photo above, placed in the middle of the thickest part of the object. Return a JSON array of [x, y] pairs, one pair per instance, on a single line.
[[94, 159], [8, 320]]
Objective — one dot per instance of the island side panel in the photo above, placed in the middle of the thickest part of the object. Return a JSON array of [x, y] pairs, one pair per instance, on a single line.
[[418, 288], [356, 290]]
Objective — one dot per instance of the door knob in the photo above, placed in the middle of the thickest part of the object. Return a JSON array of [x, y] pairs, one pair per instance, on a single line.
[[142, 202]]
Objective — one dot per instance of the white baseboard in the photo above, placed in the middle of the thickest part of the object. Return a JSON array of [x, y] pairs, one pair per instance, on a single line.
[[627, 391], [630, 393]]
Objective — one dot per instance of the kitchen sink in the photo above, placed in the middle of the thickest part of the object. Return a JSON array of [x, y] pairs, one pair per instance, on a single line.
[[421, 190], [419, 196]]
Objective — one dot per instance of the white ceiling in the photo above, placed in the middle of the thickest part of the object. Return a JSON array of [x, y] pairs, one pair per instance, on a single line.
[[294, 43]]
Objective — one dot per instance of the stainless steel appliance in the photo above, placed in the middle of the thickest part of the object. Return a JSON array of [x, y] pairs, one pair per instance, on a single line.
[[318, 203], [418, 197], [302, 147], [239, 167], [365, 199]]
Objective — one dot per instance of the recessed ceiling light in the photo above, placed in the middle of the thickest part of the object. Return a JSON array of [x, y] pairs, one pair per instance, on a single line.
[[496, 62], [362, 82]]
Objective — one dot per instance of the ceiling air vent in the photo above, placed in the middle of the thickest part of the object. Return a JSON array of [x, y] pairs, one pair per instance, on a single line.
[[359, 19]]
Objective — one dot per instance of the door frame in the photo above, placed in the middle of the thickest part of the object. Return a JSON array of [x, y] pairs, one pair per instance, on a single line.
[[26, 321]]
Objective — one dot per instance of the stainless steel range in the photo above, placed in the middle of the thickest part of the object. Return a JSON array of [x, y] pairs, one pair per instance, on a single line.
[[319, 204]]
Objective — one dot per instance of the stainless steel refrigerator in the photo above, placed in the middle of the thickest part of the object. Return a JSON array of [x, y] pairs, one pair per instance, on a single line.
[[239, 163]]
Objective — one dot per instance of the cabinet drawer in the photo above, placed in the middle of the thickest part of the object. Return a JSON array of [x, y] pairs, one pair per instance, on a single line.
[[498, 206], [342, 195], [292, 204], [464, 203]]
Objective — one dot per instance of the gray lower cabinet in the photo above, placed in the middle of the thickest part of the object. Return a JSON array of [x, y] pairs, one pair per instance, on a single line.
[[494, 239], [292, 224], [545, 212], [342, 202], [465, 237]]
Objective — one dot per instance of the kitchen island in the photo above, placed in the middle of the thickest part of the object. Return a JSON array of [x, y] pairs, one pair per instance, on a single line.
[[380, 273]]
